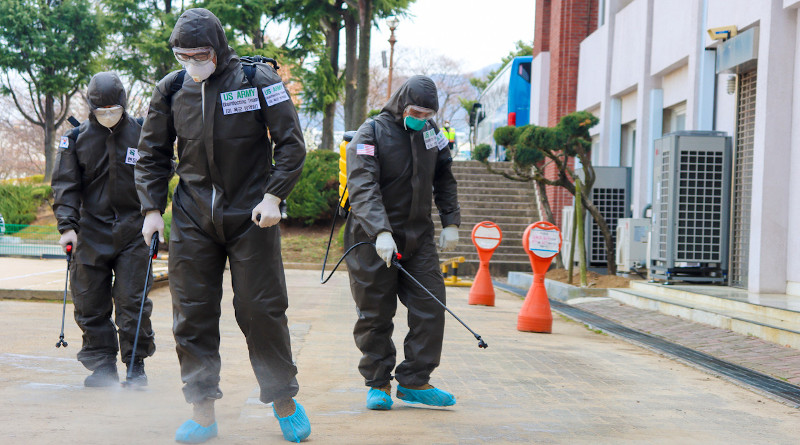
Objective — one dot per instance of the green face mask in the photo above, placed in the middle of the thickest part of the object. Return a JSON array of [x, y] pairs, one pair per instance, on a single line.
[[413, 123]]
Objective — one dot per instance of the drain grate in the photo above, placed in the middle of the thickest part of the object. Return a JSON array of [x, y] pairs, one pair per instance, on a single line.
[[762, 382]]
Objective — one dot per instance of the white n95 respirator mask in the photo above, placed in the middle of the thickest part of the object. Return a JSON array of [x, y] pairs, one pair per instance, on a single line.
[[108, 117]]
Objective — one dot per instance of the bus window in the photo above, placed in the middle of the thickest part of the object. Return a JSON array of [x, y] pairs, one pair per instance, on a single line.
[[524, 71]]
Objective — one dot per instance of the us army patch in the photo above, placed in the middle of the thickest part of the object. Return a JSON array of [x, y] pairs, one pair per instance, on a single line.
[[275, 94], [441, 140], [240, 101]]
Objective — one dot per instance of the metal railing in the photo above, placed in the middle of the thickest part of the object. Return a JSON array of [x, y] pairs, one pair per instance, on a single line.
[[30, 241]]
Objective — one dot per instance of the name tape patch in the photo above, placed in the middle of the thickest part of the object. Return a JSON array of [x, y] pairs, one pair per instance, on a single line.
[[275, 94], [430, 139], [240, 101], [441, 140], [364, 149], [132, 156]]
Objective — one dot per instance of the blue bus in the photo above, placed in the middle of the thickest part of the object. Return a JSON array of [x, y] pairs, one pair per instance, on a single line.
[[505, 101]]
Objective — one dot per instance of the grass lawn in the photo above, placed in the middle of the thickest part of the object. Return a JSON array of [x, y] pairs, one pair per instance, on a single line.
[[308, 244]]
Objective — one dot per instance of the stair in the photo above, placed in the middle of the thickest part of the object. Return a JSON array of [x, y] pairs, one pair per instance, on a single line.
[[485, 196], [718, 306]]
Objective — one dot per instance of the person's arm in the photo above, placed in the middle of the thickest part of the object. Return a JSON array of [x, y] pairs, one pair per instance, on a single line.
[[154, 167], [363, 183], [284, 129], [67, 187]]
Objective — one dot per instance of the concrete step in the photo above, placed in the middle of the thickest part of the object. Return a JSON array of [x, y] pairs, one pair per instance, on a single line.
[[485, 214], [468, 220], [495, 190], [771, 324], [479, 202], [733, 299]]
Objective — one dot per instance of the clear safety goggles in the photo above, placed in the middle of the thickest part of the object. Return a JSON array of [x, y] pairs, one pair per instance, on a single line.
[[419, 112], [109, 112], [197, 55]]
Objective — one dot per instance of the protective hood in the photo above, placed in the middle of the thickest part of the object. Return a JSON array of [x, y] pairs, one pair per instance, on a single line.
[[417, 90], [198, 27], [106, 89]]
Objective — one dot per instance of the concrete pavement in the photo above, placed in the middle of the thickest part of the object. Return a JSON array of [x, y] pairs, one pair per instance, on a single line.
[[572, 386]]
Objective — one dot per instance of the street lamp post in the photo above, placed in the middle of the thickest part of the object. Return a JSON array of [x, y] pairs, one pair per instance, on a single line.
[[392, 22]]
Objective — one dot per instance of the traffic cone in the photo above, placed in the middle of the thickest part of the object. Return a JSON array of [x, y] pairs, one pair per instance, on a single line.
[[535, 315], [482, 290]]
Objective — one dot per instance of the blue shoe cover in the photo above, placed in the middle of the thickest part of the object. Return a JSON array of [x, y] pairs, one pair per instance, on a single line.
[[193, 432], [295, 427], [377, 399], [432, 396]]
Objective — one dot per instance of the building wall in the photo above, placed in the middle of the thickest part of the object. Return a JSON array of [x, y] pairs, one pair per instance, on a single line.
[[651, 55]]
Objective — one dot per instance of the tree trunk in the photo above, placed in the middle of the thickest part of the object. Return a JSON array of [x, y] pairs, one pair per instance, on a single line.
[[548, 215], [365, 30], [350, 70], [332, 46], [49, 134], [258, 37]]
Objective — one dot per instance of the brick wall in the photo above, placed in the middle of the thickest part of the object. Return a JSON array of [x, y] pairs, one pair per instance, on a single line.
[[561, 26]]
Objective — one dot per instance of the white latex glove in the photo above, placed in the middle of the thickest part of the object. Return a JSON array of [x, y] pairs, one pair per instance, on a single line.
[[153, 222], [385, 247], [68, 237], [448, 238], [268, 210]]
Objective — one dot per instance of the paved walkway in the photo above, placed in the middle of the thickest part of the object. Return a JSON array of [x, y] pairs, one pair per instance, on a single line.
[[572, 386], [751, 352]]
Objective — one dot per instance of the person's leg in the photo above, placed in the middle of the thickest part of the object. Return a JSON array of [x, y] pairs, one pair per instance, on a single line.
[[130, 268], [423, 344], [260, 301], [90, 282], [196, 265]]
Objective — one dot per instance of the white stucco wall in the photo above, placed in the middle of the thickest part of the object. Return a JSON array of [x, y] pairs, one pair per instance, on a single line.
[[676, 86], [725, 107], [592, 69], [793, 204], [628, 56], [629, 109], [742, 13], [540, 88], [673, 33]]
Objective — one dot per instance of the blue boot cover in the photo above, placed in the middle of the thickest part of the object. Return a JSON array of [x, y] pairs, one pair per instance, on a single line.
[[377, 399], [432, 397], [193, 432], [295, 427]]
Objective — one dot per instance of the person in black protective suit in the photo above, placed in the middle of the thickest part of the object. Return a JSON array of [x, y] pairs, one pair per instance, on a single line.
[[394, 164], [98, 212], [224, 207]]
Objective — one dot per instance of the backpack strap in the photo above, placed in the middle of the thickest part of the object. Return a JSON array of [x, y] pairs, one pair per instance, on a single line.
[[175, 86]]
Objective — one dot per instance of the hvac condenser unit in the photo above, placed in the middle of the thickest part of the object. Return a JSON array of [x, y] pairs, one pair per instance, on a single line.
[[611, 194], [632, 235], [691, 207]]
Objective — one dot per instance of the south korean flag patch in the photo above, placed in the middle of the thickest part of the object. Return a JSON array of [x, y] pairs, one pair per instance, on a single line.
[[64, 142]]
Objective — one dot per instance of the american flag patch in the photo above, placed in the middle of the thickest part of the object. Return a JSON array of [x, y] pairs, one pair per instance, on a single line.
[[364, 149]]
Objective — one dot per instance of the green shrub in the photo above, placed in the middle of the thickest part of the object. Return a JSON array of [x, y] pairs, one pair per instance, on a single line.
[[173, 182], [18, 203], [505, 136], [316, 193], [481, 152], [167, 223]]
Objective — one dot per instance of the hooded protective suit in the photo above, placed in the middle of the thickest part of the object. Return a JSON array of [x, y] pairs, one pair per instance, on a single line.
[[95, 195], [391, 174], [225, 168]]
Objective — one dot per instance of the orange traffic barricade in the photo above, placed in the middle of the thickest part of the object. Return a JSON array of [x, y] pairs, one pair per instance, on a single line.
[[486, 236], [542, 242]]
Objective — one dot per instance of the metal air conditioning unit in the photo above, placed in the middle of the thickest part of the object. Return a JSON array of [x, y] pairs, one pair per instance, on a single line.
[[632, 236], [611, 194], [691, 207]]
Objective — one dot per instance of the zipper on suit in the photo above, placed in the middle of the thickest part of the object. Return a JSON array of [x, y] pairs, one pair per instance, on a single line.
[[203, 113]]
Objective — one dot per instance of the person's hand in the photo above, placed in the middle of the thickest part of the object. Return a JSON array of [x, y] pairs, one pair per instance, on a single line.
[[153, 222], [267, 213], [385, 247], [448, 239], [68, 237]]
